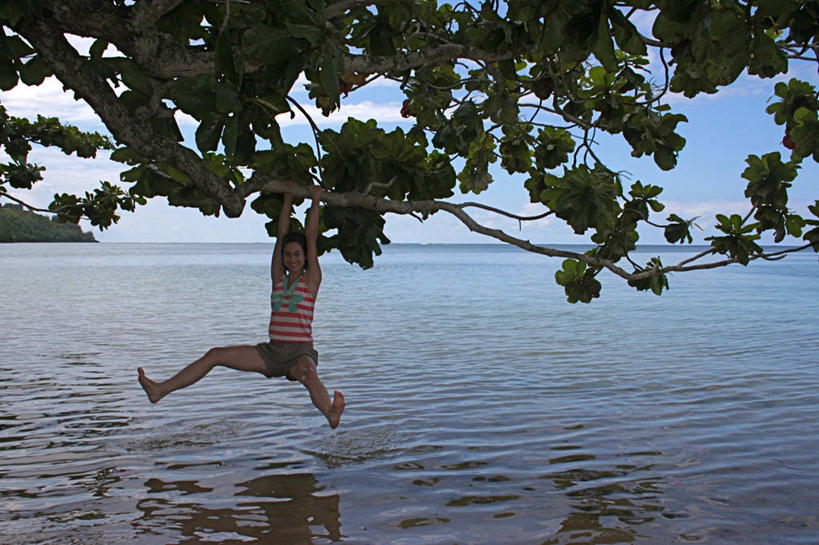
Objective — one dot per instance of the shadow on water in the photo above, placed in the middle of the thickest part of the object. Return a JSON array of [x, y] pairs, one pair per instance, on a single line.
[[272, 509]]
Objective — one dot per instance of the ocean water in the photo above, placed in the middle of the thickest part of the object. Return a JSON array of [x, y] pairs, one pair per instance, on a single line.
[[481, 407]]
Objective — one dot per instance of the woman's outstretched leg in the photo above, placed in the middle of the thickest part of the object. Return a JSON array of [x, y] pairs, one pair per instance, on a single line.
[[305, 372], [242, 358]]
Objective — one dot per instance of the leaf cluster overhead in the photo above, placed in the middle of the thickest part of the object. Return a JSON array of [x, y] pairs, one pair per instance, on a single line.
[[523, 85]]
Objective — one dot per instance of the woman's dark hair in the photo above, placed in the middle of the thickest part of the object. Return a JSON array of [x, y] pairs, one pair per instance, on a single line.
[[296, 237]]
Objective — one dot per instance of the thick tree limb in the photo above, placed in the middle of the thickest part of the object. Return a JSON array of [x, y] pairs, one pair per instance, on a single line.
[[165, 58], [402, 62], [75, 74], [148, 12], [341, 8], [157, 53]]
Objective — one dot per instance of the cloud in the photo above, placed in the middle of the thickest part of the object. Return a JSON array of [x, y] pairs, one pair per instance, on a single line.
[[704, 210], [48, 99], [65, 174], [382, 112], [52, 100]]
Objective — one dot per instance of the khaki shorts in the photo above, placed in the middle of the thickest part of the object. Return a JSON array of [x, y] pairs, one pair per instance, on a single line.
[[279, 356]]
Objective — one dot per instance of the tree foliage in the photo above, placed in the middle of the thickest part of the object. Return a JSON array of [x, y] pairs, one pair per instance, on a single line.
[[523, 84]]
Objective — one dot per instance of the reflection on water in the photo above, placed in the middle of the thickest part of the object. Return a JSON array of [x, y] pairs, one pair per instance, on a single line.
[[278, 509], [470, 421]]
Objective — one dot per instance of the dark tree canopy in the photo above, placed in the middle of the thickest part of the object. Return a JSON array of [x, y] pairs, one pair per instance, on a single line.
[[526, 84]]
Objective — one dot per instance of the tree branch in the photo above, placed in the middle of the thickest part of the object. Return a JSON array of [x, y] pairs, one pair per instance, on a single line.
[[507, 214], [159, 54], [341, 8], [681, 266], [148, 12], [351, 199], [369, 202], [402, 62], [23, 203], [75, 74], [316, 132]]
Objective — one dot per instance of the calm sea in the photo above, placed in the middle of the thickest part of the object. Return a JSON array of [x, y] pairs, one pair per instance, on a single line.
[[482, 408]]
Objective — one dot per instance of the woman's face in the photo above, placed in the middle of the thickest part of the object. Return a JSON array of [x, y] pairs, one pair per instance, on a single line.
[[294, 257]]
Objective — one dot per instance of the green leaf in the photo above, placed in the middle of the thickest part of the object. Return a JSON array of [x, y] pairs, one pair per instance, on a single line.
[[583, 198], [165, 126], [579, 282], [475, 175], [360, 233], [273, 47], [656, 282], [516, 155], [131, 74], [227, 98], [626, 34], [464, 127], [767, 59], [8, 75], [329, 73], [224, 58], [12, 12], [175, 174], [665, 159], [603, 47], [97, 49], [16, 47], [381, 39], [553, 147], [768, 180], [310, 33], [795, 223], [35, 71], [194, 95], [679, 230], [230, 137], [738, 243], [209, 132]]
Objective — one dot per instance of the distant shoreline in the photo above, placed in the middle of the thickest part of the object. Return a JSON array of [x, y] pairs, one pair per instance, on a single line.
[[18, 225], [435, 245]]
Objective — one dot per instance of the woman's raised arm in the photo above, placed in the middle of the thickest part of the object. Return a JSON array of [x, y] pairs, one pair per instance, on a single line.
[[311, 234], [277, 262]]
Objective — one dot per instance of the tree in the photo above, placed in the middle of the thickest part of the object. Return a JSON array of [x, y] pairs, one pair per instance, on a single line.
[[528, 83]]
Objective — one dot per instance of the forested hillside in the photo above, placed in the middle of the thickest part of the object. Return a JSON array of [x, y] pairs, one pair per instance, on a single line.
[[19, 225]]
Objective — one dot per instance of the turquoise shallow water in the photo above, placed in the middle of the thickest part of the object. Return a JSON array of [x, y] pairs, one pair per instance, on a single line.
[[482, 408]]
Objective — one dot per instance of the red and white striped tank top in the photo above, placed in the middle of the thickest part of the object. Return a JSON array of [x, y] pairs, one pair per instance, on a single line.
[[291, 317]]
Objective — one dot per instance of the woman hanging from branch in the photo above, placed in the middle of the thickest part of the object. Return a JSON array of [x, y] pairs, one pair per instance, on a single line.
[[296, 277]]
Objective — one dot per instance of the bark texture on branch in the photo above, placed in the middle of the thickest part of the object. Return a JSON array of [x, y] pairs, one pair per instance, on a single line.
[[89, 86], [133, 32]]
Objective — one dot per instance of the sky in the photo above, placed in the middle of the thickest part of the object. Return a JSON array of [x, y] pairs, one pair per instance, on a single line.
[[721, 131]]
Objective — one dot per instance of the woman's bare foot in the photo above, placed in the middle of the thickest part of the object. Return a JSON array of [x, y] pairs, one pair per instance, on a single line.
[[151, 388], [334, 415]]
